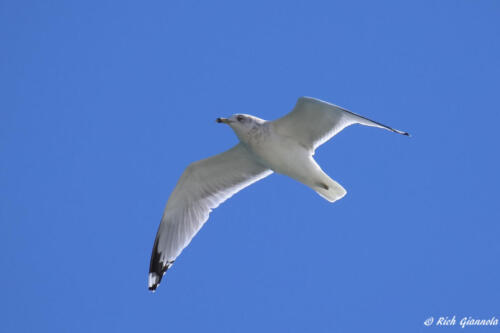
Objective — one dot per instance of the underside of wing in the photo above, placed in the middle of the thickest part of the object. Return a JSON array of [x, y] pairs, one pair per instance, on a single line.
[[313, 122], [203, 186]]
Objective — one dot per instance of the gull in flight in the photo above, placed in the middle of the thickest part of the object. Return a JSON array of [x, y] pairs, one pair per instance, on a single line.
[[285, 146]]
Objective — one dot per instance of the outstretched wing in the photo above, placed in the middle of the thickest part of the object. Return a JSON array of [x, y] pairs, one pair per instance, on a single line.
[[313, 122], [202, 187]]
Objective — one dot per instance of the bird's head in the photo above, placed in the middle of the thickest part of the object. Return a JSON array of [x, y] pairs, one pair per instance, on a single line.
[[242, 124]]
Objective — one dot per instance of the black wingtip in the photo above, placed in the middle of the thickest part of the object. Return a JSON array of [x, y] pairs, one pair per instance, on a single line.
[[398, 131], [156, 274], [157, 267], [154, 280], [153, 287]]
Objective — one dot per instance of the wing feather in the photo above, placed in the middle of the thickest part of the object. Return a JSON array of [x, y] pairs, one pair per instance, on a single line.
[[203, 186], [313, 122]]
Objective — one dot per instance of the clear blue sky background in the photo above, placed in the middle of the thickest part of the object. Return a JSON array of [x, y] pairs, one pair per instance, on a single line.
[[98, 102]]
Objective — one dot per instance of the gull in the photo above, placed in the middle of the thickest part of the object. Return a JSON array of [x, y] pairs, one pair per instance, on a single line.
[[285, 146]]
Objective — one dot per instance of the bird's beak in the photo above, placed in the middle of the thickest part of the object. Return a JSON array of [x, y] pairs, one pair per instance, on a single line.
[[223, 120]]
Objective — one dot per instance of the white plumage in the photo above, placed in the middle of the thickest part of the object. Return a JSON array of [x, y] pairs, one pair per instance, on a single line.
[[285, 145]]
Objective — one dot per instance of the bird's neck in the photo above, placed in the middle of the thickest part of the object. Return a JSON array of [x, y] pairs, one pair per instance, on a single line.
[[256, 135]]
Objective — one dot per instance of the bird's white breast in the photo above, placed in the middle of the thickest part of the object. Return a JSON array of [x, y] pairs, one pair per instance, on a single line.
[[280, 154]]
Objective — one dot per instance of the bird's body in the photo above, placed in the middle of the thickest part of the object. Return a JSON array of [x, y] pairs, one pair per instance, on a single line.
[[285, 146], [284, 155], [276, 152]]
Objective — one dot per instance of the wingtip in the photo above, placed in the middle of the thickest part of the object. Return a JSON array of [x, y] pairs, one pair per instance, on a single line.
[[153, 281], [156, 274], [400, 132]]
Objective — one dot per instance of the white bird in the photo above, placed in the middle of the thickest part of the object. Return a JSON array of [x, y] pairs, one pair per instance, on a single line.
[[285, 146]]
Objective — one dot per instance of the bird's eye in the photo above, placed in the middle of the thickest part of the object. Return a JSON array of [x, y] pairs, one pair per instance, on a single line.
[[240, 118]]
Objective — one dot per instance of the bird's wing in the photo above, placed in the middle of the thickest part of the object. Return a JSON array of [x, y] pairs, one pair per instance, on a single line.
[[313, 122], [202, 187]]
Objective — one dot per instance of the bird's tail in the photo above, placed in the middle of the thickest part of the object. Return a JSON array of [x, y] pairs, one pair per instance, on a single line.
[[329, 188]]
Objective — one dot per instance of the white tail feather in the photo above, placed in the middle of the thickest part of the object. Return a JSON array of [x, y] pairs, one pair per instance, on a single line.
[[330, 189]]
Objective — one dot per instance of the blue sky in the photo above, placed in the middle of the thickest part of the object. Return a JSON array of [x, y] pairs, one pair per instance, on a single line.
[[98, 102]]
